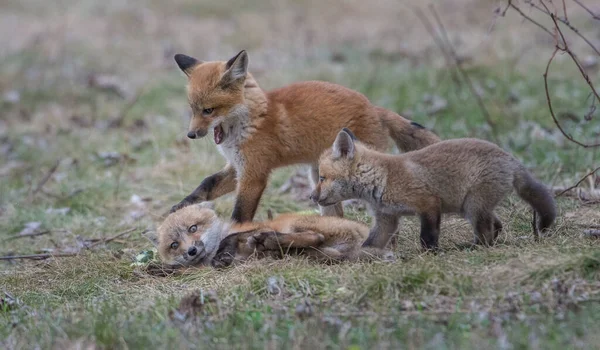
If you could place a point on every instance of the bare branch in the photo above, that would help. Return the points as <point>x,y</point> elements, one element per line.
<point>578,182</point>
<point>530,19</point>
<point>37,256</point>
<point>46,178</point>
<point>564,21</point>
<point>108,239</point>
<point>439,43</point>
<point>464,74</point>
<point>594,16</point>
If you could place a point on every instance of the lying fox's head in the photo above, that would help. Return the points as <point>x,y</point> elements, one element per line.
<point>216,94</point>
<point>336,168</point>
<point>189,236</point>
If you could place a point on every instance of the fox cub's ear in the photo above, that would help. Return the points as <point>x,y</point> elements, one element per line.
<point>151,235</point>
<point>236,69</point>
<point>186,63</point>
<point>343,147</point>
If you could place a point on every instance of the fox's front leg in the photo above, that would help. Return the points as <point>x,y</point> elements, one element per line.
<point>250,189</point>
<point>210,188</point>
<point>384,227</point>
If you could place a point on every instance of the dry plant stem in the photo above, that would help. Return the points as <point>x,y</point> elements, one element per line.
<point>594,16</point>
<point>37,256</point>
<point>592,233</point>
<point>464,74</point>
<point>439,43</point>
<point>106,240</point>
<point>529,18</point>
<point>34,234</point>
<point>46,178</point>
<point>564,21</point>
<point>565,49</point>
<point>578,182</point>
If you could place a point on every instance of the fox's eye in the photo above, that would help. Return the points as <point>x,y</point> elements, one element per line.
<point>321,178</point>
<point>193,229</point>
<point>174,245</point>
<point>207,111</point>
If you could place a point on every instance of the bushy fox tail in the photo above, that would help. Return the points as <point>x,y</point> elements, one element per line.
<point>409,136</point>
<point>538,196</point>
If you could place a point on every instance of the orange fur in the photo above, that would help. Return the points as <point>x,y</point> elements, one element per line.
<point>261,131</point>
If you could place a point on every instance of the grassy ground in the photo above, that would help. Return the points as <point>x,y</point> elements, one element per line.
<point>71,70</point>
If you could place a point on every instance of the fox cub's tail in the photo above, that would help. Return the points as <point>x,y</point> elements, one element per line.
<point>408,136</point>
<point>538,196</point>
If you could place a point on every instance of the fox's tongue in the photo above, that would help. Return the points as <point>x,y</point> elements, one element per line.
<point>218,130</point>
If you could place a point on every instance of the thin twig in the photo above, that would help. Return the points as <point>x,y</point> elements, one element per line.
<point>37,256</point>
<point>530,19</point>
<point>594,16</point>
<point>566,49</point>
<point>439,43</point>
<point>578,182</point>
<point>565,10</point>
<point>33,234</point>
<point>106,240</point>
<point>118,121</point>
<point>464,74</point>
<point>566,22</point>
<point>46,178</point>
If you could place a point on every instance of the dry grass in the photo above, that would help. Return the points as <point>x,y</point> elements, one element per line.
<point>518,293</point>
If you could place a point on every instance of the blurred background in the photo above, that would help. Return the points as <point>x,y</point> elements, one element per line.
<point>93,110</point>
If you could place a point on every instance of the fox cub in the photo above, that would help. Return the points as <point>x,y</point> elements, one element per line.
<point>466,176</point>
<point>258,131</point>
<point>196,236</point>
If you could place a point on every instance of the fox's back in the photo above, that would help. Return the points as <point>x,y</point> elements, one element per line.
<point>453,168</point>
<point>313,112</point>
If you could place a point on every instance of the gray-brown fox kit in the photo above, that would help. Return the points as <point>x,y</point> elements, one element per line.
<point>258,131</point>
<point>196,236</point>
<point>465,176</point>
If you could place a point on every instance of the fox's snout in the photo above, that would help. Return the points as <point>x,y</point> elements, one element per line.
<point>196,134</point>
<point>315,194</point>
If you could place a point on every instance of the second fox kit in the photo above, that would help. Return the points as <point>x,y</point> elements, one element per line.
<point>258,131</point>
<point>196,236</point>
<point>466,176</point>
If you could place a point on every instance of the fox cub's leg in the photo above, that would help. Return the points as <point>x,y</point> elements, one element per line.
<point>332,210</point>
<point>384,227</point>
<point>211,187</point>
<point>430,229</point>
<point>497,226</point>
<point>250,189</point>
<point>271,240</point>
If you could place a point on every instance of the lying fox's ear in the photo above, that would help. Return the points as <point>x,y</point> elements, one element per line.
<point>151,235</point>
<point>343,147</point>
<point>236,69</point>
<point>186,63</point>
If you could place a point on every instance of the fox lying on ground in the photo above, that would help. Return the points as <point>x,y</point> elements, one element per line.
<point>259,131</point>
<point>196,236</point>
<point>466,176</point>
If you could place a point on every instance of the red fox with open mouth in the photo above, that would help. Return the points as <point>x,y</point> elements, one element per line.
<point>258,131</point>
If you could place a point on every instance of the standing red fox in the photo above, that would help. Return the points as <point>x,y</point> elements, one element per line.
<point>259,131</point>
<point>466,176</point>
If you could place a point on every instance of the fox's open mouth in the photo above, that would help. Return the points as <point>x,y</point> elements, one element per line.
<point>219,134</point>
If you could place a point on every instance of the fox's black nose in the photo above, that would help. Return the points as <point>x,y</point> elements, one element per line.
<point>192,251</point>
<point>192,134</point>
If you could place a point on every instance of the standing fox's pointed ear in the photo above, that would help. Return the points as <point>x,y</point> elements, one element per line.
<point>186,63</point>
<point>152,236</point>
<point>236,69</point>
<point>343,147</point>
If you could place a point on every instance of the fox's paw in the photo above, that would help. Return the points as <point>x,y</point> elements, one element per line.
<point>266,240</point>
<point>222,261</point>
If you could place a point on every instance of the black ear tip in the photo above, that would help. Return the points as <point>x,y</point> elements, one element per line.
<point>350,133</point>
<point>184,61</point>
